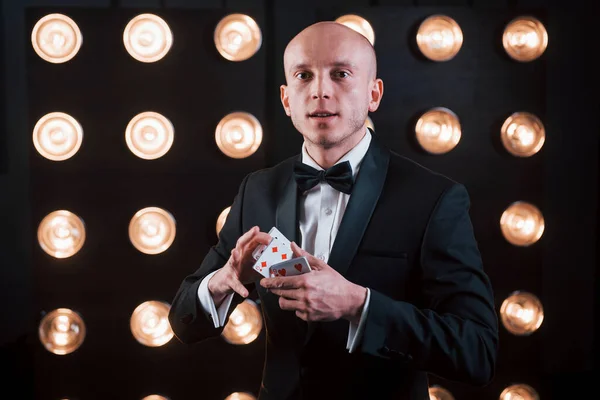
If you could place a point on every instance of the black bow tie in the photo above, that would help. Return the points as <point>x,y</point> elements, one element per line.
<point>338,177</point>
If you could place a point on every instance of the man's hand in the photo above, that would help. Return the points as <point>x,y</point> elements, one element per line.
<point>238,270</point>
<point>320,295</point>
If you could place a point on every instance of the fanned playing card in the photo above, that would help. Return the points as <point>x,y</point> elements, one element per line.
<point>292,267</point>
<point>278,250</point>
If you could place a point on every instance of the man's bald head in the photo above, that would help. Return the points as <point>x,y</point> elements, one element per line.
<point>329,33</point>
<point>331,86</point>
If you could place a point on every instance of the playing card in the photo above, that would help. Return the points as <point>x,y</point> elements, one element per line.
<point>295,266</point>
<point>278,250</point>
<point>274,232</point>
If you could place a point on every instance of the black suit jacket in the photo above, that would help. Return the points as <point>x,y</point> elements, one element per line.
<point>407,236</point>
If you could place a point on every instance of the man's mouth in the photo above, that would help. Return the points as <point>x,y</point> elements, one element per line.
<point>322,115</point>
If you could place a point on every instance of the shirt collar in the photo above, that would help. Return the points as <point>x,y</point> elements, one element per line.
<point>355,155</point>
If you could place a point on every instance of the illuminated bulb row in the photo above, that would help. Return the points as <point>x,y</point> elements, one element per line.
<point>56,38</point>
<point>62,331</point>
<point>61,233</point>
<point>438,131</point>
<point>513,392</point>
<point>522,224</point>
<point>439,37</point>
<point>149,135</point>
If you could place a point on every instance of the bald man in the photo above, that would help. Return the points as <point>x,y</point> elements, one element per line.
<point>396,289</point>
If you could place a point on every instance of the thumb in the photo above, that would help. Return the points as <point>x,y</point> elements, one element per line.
<point>314,262</point>
<point>297,250</point>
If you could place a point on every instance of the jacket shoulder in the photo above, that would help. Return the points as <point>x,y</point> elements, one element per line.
<point>411,170</point>
<point>275,174</point>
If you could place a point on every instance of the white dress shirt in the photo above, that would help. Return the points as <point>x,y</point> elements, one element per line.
<point>321,212</point>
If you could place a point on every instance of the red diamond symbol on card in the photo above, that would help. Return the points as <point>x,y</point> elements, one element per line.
<point>264,263</point>
<point>284,256</point>
<point>274,249</point>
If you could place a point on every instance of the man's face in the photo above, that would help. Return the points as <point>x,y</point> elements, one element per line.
<point>329,83</point>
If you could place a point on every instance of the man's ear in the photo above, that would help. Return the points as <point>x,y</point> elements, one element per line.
<point>375,94</point>
<point>285,101</point>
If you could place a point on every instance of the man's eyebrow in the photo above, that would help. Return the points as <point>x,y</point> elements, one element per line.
<point>336,64</point>
<point>345,64</point>
<point>299,66</point>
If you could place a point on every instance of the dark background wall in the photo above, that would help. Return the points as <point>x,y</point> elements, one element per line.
<point>103,87</point>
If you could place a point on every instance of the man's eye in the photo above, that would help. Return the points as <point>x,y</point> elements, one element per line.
<point>341,74</point>
<point>302,75</point>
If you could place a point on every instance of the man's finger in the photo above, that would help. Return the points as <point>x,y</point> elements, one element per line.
<point>239,288</point>
<point>292,294</point>
<point>289,282</point>
<point>302,315</point>
<point>298,252</point>
<point>292,305</point>
<point>249,241</point>
<point>313,261</point>
<point>235,257</point>
<point>260,238</point>
<point>247,237</point>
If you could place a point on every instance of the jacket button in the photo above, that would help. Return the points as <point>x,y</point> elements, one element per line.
<point>385,351</point>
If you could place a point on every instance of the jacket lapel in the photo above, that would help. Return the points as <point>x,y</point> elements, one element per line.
<point>365,195</point>
<point>286,220</point>
<point>286,216</point>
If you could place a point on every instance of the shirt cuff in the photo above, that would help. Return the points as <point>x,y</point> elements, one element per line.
<point>208,304</point>
<point>356,331</point>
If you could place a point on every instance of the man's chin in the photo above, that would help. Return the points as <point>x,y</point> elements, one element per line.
<point>322,139</point>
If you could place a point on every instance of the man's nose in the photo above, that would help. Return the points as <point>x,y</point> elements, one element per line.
<point>321,88</point>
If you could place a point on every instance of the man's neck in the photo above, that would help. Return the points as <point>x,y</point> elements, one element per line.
<point>327,158</point>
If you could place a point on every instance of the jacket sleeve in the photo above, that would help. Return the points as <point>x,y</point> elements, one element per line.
<point>455,336</point>
<point>188,319</point>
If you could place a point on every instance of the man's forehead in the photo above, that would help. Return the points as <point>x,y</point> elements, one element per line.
<point>331,63</point>
<point>331,44</point>
<point>323,56</point>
